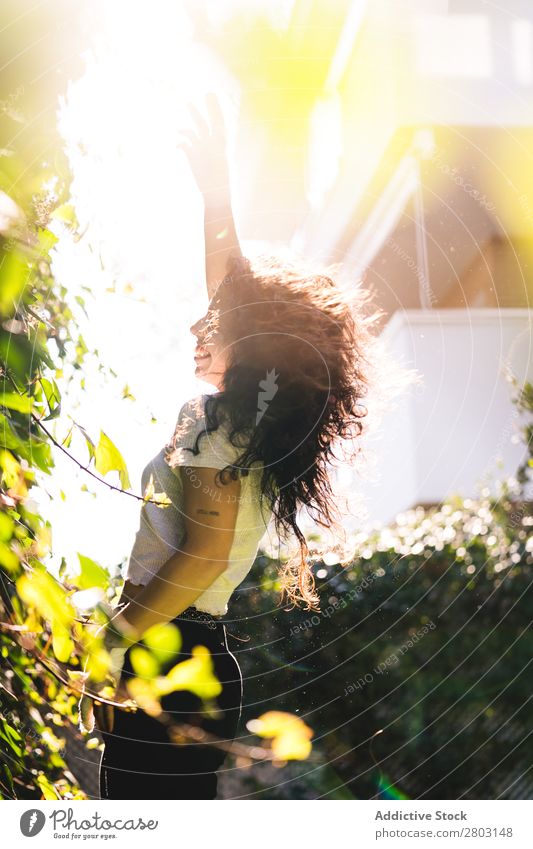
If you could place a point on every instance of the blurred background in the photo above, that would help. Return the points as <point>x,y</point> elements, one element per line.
<point>393,138</point>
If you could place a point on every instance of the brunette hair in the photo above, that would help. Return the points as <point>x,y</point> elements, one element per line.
<point>298,368</point>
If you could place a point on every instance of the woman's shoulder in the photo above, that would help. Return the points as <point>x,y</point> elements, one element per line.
<point>192,410</point>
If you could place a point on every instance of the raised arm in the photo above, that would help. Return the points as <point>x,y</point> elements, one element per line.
<point>205,147</point>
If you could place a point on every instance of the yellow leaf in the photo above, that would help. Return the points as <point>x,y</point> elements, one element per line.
<point>62,643</point>
<point>11,467</point>
<point>43,540</point>
<point>91,574</point>
<point>144,663</point>
<point>145,694</point>
<point>293,747</point>
<point>195,674</point>
<point>6,527</point>
<point>160,499</point>
<point>41,591</point>
<point>108,458</point>
<point>163,640</point>
<point>47,788</point>
<point>98,664</point>
<point>290,735</point>
<point>32,624</point>
<point>8,558</point>
<point>150,489</point>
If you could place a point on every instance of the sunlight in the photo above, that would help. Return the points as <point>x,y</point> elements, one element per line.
<point>139,263</point>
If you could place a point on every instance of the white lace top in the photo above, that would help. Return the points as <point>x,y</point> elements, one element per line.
<point>162,531</point>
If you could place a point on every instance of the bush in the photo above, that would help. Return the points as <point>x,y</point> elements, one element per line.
<point>417,672</point>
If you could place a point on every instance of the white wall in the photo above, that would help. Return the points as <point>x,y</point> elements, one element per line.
<point>450,434</point>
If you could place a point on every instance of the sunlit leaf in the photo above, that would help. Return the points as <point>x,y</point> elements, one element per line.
<point>160,499</point>
<point>43,540</point>
<point>41,591</point>
<point>143,662</point>
<point>36,452</point>
<point>195,674</point>
<point>11,737</point>
<point>65,213</point>
<point>21,403</point>
<point>97,664</point>
<point>62,643</point>
<point>163,640</point>
<point>68,438</point>
<point>13,277</point>
<point>6,527</point>
<point>46,240</point>
<point>291,737</point>
<point>48,789</point>
<point>53,397</point>
<point>10,467</point>
<point>108,458</point>
<point>145,693</point>
<point>8,558</point>
<point>91,574</point>
<point>88,440</point>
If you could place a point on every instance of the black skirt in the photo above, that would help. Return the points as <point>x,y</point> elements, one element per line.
<point>140,761</point>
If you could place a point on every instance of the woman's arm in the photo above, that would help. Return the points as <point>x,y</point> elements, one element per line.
<point>221,241</point>
<point>206,151</point>
<point>210,513</point>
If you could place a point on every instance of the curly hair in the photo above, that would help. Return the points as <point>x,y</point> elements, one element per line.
<point>297,371</point>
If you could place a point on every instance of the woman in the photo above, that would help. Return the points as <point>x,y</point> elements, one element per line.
<point>286,351</point>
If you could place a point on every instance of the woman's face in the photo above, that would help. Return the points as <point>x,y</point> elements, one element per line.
<point>210,354</point>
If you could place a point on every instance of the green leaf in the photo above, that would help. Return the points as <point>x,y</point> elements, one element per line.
<point>9,439</point>
<point>6,527</point>
<point>144,663</point>
<point>196,674</point>
<point>48,789</point>
<point>46,240</point>
<point>91,574</point>
<point>21,403</point>
<point>11,737</point>
<point>108,458</point>
<point>41,591</point>
<point>41,455</point>
<point>88,440</point>
<point>163,640</point>
<point>68,438</point>
<point>13,276</point>
<point>53,397</point>
<point>62,642</point>
<point>6,772</point>
<point>8,558</point>
<point>11,468</point>
<point>35,451</point>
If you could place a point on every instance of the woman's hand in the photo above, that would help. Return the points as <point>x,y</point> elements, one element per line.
<point>205,148</point>
<point>104,714</point>
<point>118,637</point>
